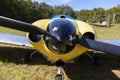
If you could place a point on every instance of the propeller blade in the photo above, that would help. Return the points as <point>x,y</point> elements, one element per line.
<point>19,25</point>
<point>100,46</point>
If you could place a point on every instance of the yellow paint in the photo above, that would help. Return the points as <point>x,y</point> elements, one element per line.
<point>81,28</point>
<point>42,48</point>
<point>42,23</point>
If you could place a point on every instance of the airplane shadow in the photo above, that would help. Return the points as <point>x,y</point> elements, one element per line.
<point>82,69</point>
<point>16,55</point>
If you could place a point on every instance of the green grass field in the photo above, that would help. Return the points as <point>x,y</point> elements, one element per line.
<point>107,33</point>
<point>12,66</point>
<point>12,31</point>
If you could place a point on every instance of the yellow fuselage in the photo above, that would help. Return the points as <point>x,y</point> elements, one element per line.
<point>81,29</point>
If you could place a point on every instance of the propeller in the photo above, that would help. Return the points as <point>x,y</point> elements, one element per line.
<point>22,26</point>
<point>97,45</point>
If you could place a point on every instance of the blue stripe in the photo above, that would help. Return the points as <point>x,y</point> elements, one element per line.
<point>58,16</point>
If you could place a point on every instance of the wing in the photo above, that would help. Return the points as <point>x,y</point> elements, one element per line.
<point>97,24</point>
<point>114,42</point>
<point>14,39</point>
<point>100,46</point>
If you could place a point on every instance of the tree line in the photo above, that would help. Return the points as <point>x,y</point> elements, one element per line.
<point>30,11</point>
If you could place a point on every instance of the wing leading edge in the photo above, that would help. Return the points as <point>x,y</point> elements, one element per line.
<point>114,42</point>
<point>14,39</point>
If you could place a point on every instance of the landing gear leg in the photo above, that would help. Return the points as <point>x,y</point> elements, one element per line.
<point>93,59</point>
<point>59,75</point>
<point>28,56</point>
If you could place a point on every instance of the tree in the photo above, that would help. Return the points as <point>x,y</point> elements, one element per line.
<point>30,11</point>
<point>64,9</point>
<point>44,10</point>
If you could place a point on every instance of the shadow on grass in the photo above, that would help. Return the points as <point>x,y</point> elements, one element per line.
<point>82,69</point>
<point>16,55</point>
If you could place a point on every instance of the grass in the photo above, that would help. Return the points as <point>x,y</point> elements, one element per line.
<point>107,33</point>
<point>12,66</point>
<point>12,31</point>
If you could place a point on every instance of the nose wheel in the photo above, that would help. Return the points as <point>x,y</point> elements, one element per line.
<point>58,77</point>
<point>59,74</point>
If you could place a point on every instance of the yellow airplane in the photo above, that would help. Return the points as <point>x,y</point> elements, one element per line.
<point>59,39</point>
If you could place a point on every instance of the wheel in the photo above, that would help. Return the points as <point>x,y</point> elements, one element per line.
<point>27,57</point>
<point>58,77</point>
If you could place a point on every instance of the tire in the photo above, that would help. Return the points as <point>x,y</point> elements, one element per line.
<point>58,77</point>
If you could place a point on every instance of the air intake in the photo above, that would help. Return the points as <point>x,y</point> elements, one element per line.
<point>62,16</point>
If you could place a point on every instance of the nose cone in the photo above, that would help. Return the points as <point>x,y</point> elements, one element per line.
<point>62,29</point>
